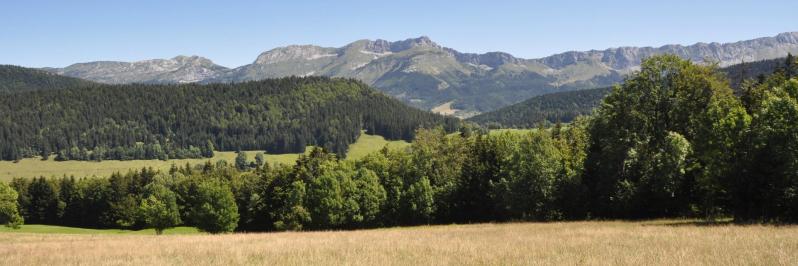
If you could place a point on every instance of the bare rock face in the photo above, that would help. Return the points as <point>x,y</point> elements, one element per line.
<point>427,75</point>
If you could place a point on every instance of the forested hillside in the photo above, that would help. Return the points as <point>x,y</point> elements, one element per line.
<point>565,106</point>
<point>21,79</point>
<point>547,108</point>
<point>187,121</point>
<point>754,70</point>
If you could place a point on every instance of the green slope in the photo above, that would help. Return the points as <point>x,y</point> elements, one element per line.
<point>20,79</point>
<point>548,108</point>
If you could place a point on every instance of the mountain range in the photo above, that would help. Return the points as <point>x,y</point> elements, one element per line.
<point>429,76</point>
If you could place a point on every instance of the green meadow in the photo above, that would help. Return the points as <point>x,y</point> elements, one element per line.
<point>54,229</point>
<point>34,167</point>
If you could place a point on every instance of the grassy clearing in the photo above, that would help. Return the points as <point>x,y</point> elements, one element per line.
<point>34,167</point>
<point>444,109</point>
<point>512,131</point>
<point>367,144</point>
<point>572,243</point>
<point>53,229</point>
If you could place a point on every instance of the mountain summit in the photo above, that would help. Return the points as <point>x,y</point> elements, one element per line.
<point>430,76</point>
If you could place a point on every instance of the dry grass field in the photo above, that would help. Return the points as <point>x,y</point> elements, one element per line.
<point>572,243</point>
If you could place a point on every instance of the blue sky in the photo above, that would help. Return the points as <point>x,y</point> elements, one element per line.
<point>232,33</point>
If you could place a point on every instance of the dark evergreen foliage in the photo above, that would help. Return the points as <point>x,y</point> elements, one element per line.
<point>547,108</point>
<point>21,79</point>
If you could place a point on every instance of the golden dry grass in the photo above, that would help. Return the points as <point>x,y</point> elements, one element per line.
<point>444,109</point>
<point>574,243</point>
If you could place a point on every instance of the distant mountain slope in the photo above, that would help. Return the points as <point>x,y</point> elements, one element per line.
<point>565,106</point>
<point>21,79</point>
<point>180,69</point>
<point>278,115</point>
<point>427,75</point>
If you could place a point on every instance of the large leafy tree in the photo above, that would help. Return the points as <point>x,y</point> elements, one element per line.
<point>439,158</point>
<point>293,215</point>
<point>215,209</point>
<point>159,208</point>
<point>767,188</point>
<point>419,202</point>
<point>527,191</point>
<point>9,207</point>
<point>392,170</point>
<point>326,198</point>
<point>637,122</point>
<point>367,197</point>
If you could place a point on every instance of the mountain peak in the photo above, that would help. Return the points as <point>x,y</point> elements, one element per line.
<point>295,52</point>
<point>422,41</point>
<point>193,60</point>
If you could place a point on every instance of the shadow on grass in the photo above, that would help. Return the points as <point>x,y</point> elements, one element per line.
<point>698,223</point>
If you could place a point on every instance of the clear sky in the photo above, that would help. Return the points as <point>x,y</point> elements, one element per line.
<point>232,33</point>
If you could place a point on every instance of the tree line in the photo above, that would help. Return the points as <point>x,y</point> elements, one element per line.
<point>442,178</point>
<point>672,141</point>
<point>140,121</point>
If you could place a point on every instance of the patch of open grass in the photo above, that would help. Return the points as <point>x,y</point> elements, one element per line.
<point>34,167</point>
<point>511,131</point>
<point>561,243</point>
<point>54,229</point>
<point>367,144</point>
